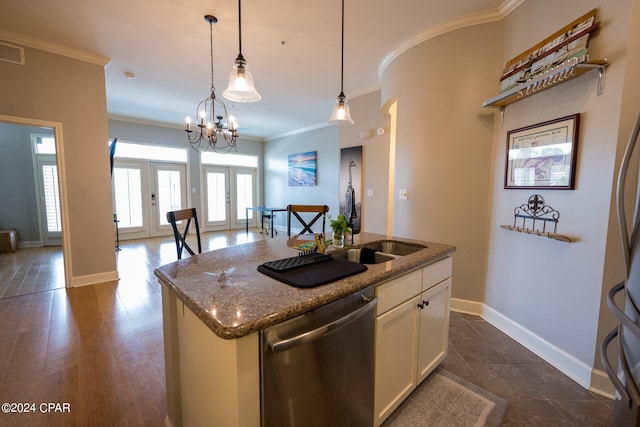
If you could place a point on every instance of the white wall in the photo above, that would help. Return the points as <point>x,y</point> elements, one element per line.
<point>277,191</point>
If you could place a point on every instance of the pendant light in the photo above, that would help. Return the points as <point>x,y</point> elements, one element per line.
<point>341,113</point>
<point>217,130</point>
<point>241,87</point>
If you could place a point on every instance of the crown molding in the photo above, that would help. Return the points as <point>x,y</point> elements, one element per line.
<point>32,42</point>
<point>459,22</point>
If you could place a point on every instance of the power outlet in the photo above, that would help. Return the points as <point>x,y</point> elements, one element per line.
<point>403,194</point>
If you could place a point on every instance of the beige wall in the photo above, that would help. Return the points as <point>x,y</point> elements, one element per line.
<point>451,158</point>
<point>553,290</point>
<point>444,143</point>
<point>72,92</point>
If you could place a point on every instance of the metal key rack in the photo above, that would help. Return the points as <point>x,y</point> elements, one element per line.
<point>535,211</point>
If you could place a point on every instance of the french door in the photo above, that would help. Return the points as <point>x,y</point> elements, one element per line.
<point>227,192</point>
<point>143,193</point>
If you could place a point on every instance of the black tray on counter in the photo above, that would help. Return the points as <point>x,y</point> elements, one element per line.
<point>310,269</point>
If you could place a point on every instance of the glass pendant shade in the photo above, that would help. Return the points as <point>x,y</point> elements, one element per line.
<point>341,113</point>
<point>241,87</point>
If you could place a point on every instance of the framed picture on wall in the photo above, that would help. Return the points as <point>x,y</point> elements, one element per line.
<point>302,169</point>
<point>543,155</point>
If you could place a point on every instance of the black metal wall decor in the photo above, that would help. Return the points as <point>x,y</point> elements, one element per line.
<point>536,211</point>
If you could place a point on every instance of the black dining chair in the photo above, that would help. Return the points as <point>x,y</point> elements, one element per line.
<point>181,215</point>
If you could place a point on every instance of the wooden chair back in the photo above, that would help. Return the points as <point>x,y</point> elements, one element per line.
<point>181,215</point>
<point>320,210</point>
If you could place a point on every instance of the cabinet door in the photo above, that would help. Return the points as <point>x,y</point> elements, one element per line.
<point>395,357</point>
<point>433,328</point>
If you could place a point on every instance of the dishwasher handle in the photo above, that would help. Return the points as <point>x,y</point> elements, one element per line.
<point>278,345</point>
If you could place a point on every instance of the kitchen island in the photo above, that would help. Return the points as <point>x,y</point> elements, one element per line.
<point>216,303</point>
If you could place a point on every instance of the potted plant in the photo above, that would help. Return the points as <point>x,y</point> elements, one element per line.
<point>340,226</point>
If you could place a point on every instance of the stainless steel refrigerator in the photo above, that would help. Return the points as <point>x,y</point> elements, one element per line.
<point>626,376</point>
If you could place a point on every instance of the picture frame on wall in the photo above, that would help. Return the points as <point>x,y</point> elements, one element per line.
<point>302,169</point>
<point>543,156</point>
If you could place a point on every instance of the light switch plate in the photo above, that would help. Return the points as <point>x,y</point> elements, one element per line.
<point>403,194</point>
<point>370,192</point>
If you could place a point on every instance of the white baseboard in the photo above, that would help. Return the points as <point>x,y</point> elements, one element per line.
<point>30,244</point>
<point>575,369</point>
<point>94,279</point>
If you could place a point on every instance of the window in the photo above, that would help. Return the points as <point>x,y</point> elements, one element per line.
<point>244,160</point>
<point>51,198</point>
<point>45,144</point>
<point>150,152</point>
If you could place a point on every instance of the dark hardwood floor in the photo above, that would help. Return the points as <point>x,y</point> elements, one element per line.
<point>97,351</point>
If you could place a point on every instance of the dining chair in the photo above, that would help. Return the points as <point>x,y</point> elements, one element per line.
<point>320,211</point>
<point>181,215</point>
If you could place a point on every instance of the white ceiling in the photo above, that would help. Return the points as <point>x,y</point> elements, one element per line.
<point>291,46</point>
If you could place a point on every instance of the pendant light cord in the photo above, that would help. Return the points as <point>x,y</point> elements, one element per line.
<point>240,28</point>
<point>342,55</point>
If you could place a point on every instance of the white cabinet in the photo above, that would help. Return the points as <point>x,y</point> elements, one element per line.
<point>412,323</point>
<point>434,328</point>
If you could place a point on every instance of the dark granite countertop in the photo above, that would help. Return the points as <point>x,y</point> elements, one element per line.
<point>225,290</point>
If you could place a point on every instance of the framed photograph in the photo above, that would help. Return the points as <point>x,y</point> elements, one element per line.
<point>302,169</point>
<point>543,155</point>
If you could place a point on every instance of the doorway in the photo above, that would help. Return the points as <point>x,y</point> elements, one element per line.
<point>143,192</point>
<point>21,202</point>
<point>227,192</point>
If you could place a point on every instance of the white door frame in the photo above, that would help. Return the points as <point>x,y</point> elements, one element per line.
<point>62,184</point>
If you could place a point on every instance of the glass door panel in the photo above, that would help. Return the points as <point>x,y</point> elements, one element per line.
<point>169,194</point>
<point>130,187</point>
<point>244,195</point>
<point>216,182</point>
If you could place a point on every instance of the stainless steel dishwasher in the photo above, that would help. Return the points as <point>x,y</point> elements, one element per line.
<point>317,368</point>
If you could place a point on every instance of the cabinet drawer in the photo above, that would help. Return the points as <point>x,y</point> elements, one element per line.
<point>398,290</point>
<point>436,273</point>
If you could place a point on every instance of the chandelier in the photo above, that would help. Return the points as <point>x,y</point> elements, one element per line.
<point>341,113</point>
<point>216,130</point>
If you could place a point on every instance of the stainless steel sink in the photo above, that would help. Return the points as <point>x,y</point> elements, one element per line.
<point>353,255</point>
<point>394,247</point>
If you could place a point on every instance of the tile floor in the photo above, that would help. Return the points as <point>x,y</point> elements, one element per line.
<point>100,349</point>
<point>538,394</point>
